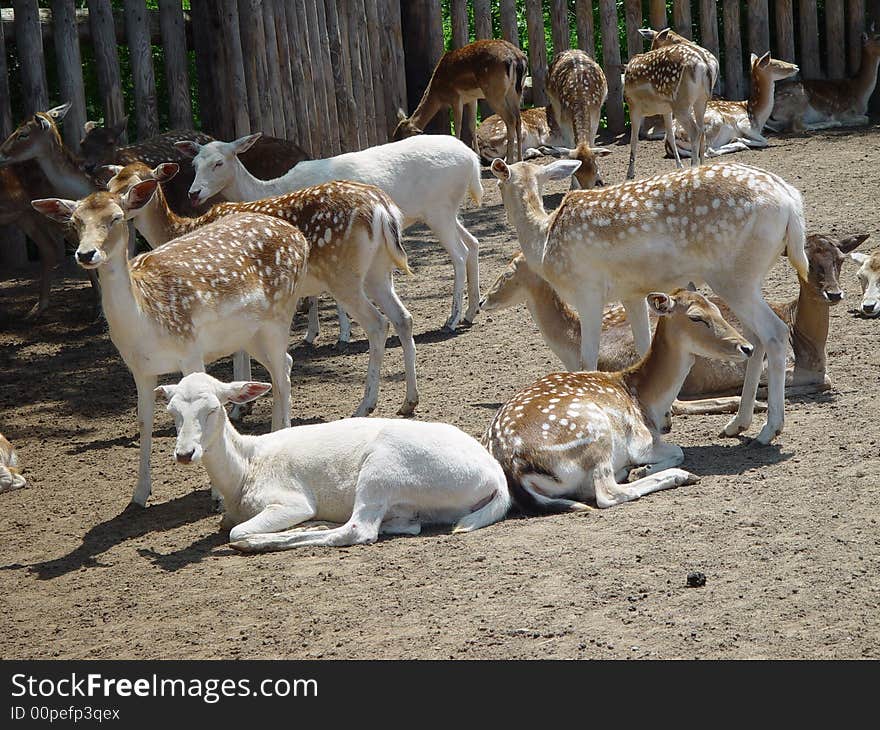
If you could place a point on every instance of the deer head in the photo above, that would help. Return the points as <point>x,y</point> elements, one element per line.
<point>869,278</point>
<point>99,144</point>
<point>826,255</point>
<point>405,128</point>
<point>773,68</point>
<point>213,163</point>
<point>33,137</point>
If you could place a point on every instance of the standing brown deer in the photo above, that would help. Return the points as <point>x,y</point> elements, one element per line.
<point>489,69</point>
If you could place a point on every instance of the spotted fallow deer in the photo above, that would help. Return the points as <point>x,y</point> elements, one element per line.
<point>10,469</point>
<point>353,232</point>
<point>570,437</point>
<point>488,69</point>
<point>722,224</point>
<point>736,126</point>
<point>807,317</point>
<point>822,103</point>
<point>228,286</point>
<point>869,278</point>
<point>674,80</point>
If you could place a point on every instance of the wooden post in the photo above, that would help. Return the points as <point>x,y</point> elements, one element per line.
<point>872,23</point>
<point>482,19</point>
<point>583,10</point>
<point>336,131</point>
<point>835,40</point>
<point>13,249</point>
<point>137,31</point>
<point>537,51</point>
<point>460,37</point>
<point>68,63</point>
<point>275,91</point>
<point>784,30</point>
<point>423,45</point>
<point>634,42</point>
<point>393,63</point>
<point>176,64</point>
<point>293,116</point>
<point>250,15</point>
<point>681,18</point>
<point>709,31</point>
<point>6,121</point>
<point>376,73</point>
<point>509,28</point>
<point>107,61</point>
<point>29,51</point>
<point>733,63</point>
<point>855,25</point>
<point>208,96</point>
<point>658,14</point>
<point>302,100</point>
<point>348,137</point>
<point>559,25</point>
<point>365,107</point>
<point>611,62</point>
<point>759,26</point>
<point>327,136</point>
<point>236,93</point>
<point>808,24</point>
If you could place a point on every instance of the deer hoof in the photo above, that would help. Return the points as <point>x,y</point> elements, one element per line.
<point>342,346</point>
<point>408,408</point>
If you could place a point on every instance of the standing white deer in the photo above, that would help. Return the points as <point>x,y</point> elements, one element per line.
<point>722,224</point>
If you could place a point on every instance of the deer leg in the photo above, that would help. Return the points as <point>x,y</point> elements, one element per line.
<point>447,233</point>
<point>314,328</point>
<point>609,493</point>
<point>670,139</point>
<point>344,329</point>
<point>241,370</point>
<point>48,261</point>
<point>275,517</point>
<point>635,117</point>
<point>588,302</point>
<point>473,271</point>
<point>639,322</point>
<point>146,384</point>
<point>376,328</point>
<point>472,124</point>
<point>663,456</point>
<point>456,117</point>
<point>269,347</point>
<point>699,116</point>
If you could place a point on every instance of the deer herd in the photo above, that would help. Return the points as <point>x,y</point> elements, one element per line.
<point>609,278</point>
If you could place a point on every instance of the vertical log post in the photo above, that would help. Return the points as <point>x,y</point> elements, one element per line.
<point>658,14</point>
<point>537,51</point>
<point>176,64</point>
<point>583,10</point>
<point>376,74</point>
<point>68,63</point>
<point>293,116</point>
<point>365,107</point>
<point>393,61</point>
<point>835,40</point>
<point>733,64</point>
<point>306,15</point>
<point>460,37</point>
<point>423,45</point>
<point>709,31</point>
<point>808,25</point>
<point>855,25</point>
<point>482,19</point>
<point>509,28</point>
<point>137,33</point>
<point>107,61</point>
<point>681,18</point>
<point>759,27</point>
<point>236,92</point>
<point>784,30</point>
<point>273,62</point>
<point>348,135</point>
<point>29,50</point>
<point>249,12</point>
<point>206,81</point>
<point>333,110</point>
<point>611,62</point>
<point>13,248</point>
<point>634,42</point>
<point>303,101</point>
<point>6,122</point>
<point>559,26</point>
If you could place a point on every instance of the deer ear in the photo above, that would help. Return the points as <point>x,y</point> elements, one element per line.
<point>139,195</point>
<point>560,169</point>
<point>859,258</point>
<point>765,59</point>
<point>500,169</point>
<point>663,34</point>
<point>57,209</point>
<point>104,174</point>
<point>661,303</point>
<point>165,391</point>
<point>850,242</point>
<point>89,126</point>
<point>401,115</point>
<point>188,148</point>
<point>600,151</point>
<point>647,33</point>
<point>59,112</point>
<point>243,144</point>
<point>165,171</point>
<point>243,391</point>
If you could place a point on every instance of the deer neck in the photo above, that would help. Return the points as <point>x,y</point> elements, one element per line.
<point>527,215</point>
<point>559,325</point>
<point>226,460</point>
<point>866,79</point>
<point>809,331</point>
<point>60,167</point>
<point>246,187</point>
<point>760,104</point>
<point>158,224</point>
<point>117,297</point>
<point>428,106</point>
<point>656,380</point>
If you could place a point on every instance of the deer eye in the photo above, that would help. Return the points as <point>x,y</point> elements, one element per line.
<point>698,319</point>
<point>218,164</point>
<point>23,135</point>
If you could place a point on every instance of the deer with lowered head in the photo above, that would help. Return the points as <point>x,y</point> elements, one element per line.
<point>823,103</point>
<point>10,469</point>
<point>570,437</point>
<point>228,286</point>
<point>353,232</point>
<point>722,224</point>
<point>486,69</point>
<point>807,317</point>
<point>375,475</point>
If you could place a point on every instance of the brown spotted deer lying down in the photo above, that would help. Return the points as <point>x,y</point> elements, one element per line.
<point>570,437</point>
<point>723,224</point>
<point>10,470</point>
<point>486,69</point>
<point>354,236</point>
<point>228,286</point>
<point>823,103</point>
<point>807,317</point>
<point>869,278</point>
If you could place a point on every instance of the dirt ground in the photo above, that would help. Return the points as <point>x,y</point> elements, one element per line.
<point>787,535</point>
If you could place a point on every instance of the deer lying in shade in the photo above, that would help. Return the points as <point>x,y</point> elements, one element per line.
<point>10,471</point>
<point>576,436</point>
<point>374,475</point>
<point>807,317</point>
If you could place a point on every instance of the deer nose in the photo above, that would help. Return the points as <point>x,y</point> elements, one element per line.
<point>834,296</point>
<point>184,457</point>
<point>86,257</point>
<point>600,183</point>
<point>870,307</point>
<point>194,197</point>
<point>747,350</point>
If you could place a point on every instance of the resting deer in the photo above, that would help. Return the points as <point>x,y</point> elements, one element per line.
<point>807,317</point>
<point>353,232</point>
<point>428,178</point>
<point>376,475</point>
<point>488,69</point>
<point>822,103</point>
<point>10,470</point>
<point>230,285</point>
<point>723,224</point>
<point>674,79</point>
<point>575,436</point>
<point>736,126</point>
<point>869,278</point>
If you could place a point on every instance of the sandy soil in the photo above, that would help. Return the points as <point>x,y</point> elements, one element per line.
<point>787,536</point>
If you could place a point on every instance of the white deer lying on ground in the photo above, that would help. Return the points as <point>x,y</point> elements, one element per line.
<point>375,475</point>
<point>427,176</point>
<point>580,434</point>
<point>10,471</point>
<point>807,317</point>
<point>229,286</point>
<point>869,278</point>
<point>722,224</point>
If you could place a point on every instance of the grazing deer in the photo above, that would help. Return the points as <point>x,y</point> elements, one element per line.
<point>353,232</point>
<point>376,475</point>
<point>807,317</point>
<point>489,69</point>
<point>822,103</point>
<point>427,177</point>
<point>577,89</point>
<point>735,126</point>
<point>723,224</point>
<point>230,285</point>
<point>10,470</point>
<point>869,278</point>
<point>674,79</point>
<point>578,435</point>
